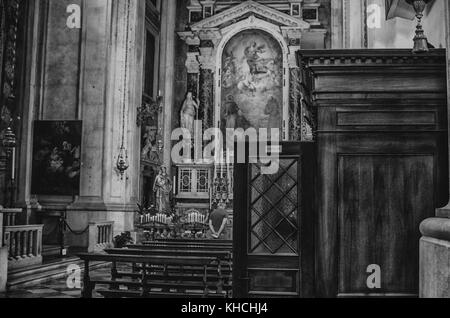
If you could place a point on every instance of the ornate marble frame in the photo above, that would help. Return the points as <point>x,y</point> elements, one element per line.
<point>252,23</point>
<point>211,36</point>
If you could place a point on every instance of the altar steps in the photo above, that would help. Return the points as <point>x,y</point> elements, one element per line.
<point>40,274</point>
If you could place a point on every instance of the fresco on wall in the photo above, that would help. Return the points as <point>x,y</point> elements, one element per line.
<point>252,82</point>
<point>56,158</point>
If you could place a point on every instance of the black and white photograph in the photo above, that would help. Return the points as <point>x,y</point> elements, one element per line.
<point>208,152</point>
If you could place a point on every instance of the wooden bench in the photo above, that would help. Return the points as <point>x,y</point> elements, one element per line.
<point>198,247</point>
<point>180,246</point>
<point>150,277</point>
<point>185,273</point>
<point>202,241</point>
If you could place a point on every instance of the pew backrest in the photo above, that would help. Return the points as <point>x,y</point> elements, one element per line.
<point>222,255</point>
<point>149,259</point>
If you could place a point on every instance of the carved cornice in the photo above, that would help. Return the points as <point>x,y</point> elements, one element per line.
<point>250,7</point>
<point>190,38</point>
<point>392,58</point>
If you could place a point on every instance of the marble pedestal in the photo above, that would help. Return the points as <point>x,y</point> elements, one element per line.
<point>435,258</point>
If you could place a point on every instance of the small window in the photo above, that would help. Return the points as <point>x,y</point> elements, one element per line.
<point>195,16</point>
<point>296,10</point>
<point>208,11</point>
<point>310,14</point>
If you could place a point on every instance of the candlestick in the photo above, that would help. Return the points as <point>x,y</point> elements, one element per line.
<point>174,185</point>
<point>13,172</point>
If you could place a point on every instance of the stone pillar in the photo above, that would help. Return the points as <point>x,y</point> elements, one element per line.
<point>337,24</point>
<point>206,93</point>
<point>206,90</point>
<point>295,122</point>
<point>167,75</point>
<point>30,99</point>
<point>110,90</point>
<point>293,37</point>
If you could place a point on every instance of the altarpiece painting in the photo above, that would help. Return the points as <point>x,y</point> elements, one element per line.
<point>252,82</point>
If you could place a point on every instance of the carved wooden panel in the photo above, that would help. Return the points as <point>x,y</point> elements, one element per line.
<point>382,164</point>
<point>382,201</point>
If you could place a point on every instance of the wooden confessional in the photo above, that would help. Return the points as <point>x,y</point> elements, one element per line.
<point>350,203</point>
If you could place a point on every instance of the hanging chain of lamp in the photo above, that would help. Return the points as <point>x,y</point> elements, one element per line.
<point>122,159</point>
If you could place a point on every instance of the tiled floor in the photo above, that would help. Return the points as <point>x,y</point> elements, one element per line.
<point>56,288</point>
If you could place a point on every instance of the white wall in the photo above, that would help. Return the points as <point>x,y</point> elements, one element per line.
<point>393,33</point>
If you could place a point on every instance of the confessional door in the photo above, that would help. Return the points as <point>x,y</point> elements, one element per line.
<point>274,226</point>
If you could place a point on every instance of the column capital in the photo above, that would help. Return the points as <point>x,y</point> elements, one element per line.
<point>292,56</point>
<point>192,63</point>
<point>190,38</point>
<point>206,58</point>
<point>213,35</point>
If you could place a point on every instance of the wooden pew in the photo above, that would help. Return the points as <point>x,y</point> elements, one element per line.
<point>180,245</point>
<point>146,283</point>
<point>139,250</point>
<point>197,245</point>
<point>187,272</point>
<point>203,241</point>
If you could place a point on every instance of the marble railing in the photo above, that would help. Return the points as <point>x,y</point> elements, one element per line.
<point>24,245</point>
<point>10,216</point>
<point>100,236</point>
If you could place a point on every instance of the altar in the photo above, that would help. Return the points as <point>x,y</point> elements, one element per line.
<point>240,72</point>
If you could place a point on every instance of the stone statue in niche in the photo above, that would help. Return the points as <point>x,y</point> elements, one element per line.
<point>189,113</point>
<point>162,188</point>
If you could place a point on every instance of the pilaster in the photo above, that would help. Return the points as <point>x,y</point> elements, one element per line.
<point>167,75</point>
<point>111,68</point>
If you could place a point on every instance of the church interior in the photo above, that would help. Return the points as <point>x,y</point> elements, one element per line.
<point>101,197</point>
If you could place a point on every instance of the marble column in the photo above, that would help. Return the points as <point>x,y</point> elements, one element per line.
<point>206,94</point>
<point>295,106</point>
<point>206,82</point>
<point>30,99</point>
<point>110,90</point>
<point>337,24</point>
<point>167,75</point>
